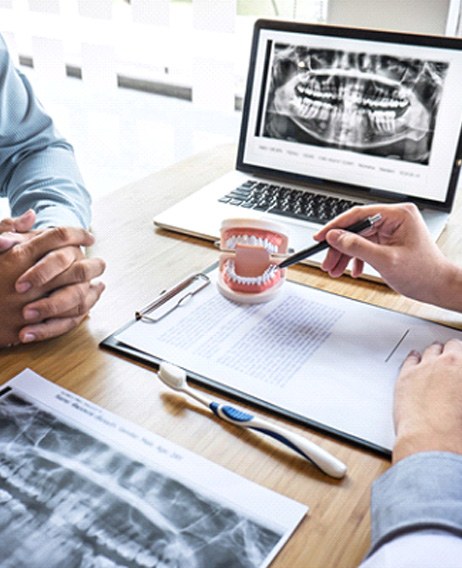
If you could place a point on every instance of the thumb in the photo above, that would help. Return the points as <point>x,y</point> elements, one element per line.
<point>354,246</point>
<point>24,222</point>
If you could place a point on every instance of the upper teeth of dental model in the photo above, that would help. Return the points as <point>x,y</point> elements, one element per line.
<point>251,240</point>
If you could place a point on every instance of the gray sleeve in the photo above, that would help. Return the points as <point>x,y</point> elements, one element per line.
<point>420,493</point>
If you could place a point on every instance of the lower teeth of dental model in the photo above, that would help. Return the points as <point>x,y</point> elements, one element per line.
<point>268,275</point>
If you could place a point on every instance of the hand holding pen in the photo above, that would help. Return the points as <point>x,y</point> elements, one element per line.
<point>323,245</point>
<point>399,247</point>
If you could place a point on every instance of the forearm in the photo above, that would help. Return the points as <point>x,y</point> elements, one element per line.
<point>50,183</point>
<point>37,166</point>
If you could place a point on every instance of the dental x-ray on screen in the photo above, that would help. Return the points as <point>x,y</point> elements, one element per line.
<point>335,117</point>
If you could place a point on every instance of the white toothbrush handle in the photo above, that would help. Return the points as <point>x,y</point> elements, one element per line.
<point>321,458</point>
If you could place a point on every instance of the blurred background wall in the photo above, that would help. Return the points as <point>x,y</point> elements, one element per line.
<point>136,85</point>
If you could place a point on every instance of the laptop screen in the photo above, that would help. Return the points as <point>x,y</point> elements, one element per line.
<point>360,111</point>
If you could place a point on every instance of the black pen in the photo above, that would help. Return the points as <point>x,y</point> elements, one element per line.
<point>305,253</point>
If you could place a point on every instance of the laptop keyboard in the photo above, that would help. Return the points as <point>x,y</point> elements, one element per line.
<point>287,201</point>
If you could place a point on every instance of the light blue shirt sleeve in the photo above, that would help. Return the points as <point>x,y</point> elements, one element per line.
<point>416,513</point>
<point>38,169</point>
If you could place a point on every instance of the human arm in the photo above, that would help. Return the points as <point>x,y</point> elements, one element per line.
<point>417,515</point>
<point>400,248</point>
<point>417,505</point>
<point>37,166</point>
<point>39,175</point>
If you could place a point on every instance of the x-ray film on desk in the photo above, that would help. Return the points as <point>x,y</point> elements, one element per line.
<point>334,117</point>
<point>81,487</point>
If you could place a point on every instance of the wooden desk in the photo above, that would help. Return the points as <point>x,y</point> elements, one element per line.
<point>141,262</point>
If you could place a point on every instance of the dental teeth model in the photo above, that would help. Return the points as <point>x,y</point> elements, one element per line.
<point>248,268</point>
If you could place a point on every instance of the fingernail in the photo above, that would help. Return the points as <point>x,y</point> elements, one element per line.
<point>23,287</point>
<point>31,314</point>
<point>28,337</point>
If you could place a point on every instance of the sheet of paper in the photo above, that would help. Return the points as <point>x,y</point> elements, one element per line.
<point>320,356</point>
<point>81,487</point>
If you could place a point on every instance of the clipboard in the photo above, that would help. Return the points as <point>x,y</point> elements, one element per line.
<point>167,301</point>
<point>188,291</point>
<point>171,299</point>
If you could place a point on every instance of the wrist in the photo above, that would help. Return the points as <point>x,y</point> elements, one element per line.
<point>448,287</point>
<point>418,442</point>
<point>406,446</point>
<point>442,287</point>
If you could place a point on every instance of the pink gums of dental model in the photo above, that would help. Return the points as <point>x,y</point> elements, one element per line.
<point>248,271</point>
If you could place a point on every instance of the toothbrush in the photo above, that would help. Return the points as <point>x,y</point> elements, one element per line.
<point>175,378</point>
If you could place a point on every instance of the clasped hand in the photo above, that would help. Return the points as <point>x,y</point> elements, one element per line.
<point>46,285</point>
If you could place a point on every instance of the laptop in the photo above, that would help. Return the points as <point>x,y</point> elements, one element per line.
<point>334,117</point>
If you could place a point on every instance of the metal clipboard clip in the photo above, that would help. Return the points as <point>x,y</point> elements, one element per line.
<point>173,298</point>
